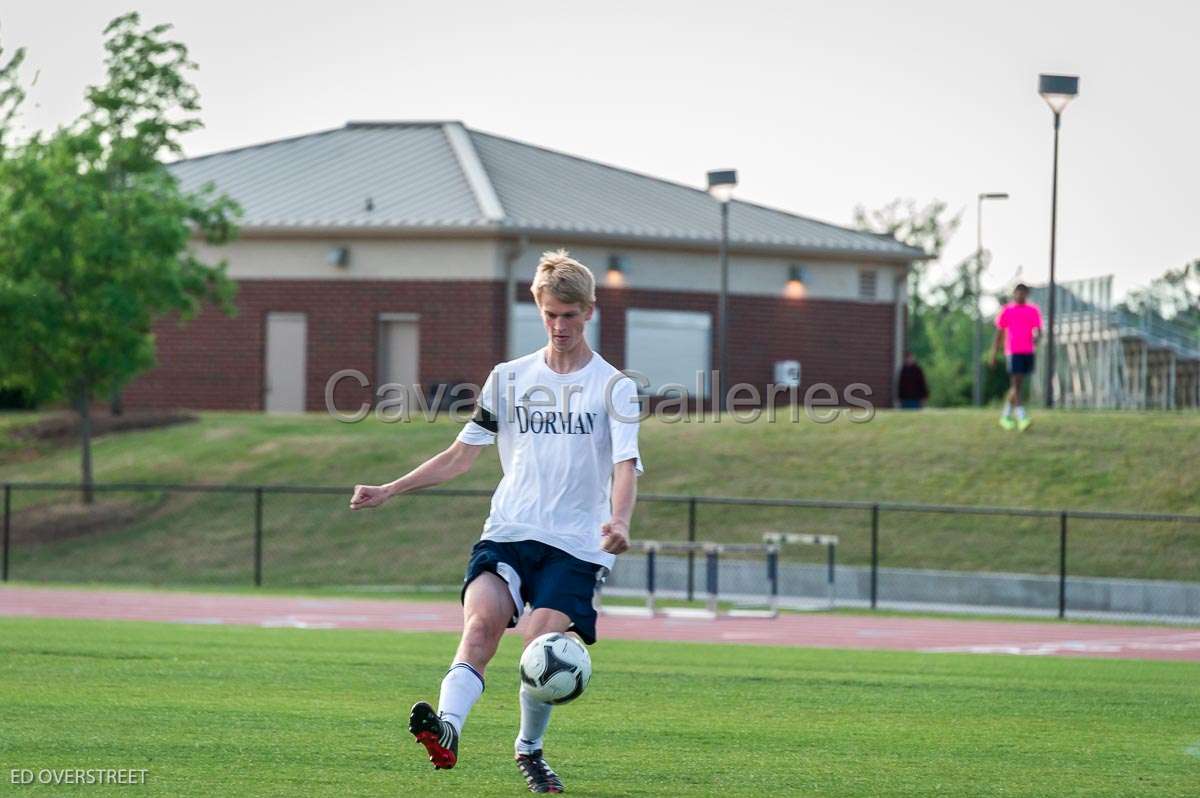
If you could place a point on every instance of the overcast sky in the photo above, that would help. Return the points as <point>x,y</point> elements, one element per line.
<point>820,106</point>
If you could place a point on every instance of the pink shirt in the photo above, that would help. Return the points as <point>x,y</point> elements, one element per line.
<point>1019,322</point>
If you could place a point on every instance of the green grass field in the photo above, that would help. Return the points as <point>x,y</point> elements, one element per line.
<point>265,712</point>
<point>1107,461</point>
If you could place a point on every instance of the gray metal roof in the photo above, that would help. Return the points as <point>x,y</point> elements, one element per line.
<point>409,173</point>
<point>445,176</point>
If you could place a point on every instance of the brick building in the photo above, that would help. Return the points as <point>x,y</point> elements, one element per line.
<point>404,251</point>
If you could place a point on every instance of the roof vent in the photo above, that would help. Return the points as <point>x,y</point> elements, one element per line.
<point>866,284</point>
<point>370,206</point>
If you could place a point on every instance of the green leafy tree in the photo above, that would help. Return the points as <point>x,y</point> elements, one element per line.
<point>95,232</point>
<point>927,227</point>
<point>941,321</point>
<point>1173,297</point>
<point>11,92</point>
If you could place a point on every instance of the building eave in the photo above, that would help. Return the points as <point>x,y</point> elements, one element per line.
<point>499,230</point>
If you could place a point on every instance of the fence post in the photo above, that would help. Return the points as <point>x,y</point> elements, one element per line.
<point>874,555</point>
<point>691,566</point>
<point>650,580</point>
<point>258,535</point>
<point>1062,564</point>
<point>7,524</point>
<point>773,578</point>
<point>710,558</point>
<point>829,576</point>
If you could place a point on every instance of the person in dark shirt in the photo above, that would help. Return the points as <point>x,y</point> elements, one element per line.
<point>912,390</point>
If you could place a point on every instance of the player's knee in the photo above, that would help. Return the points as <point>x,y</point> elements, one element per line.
<point>483,632</point>
<point>536,630</point>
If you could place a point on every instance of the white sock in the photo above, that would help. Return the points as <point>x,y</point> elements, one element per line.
<point>1021,411</point>
<point>461,688</point>
<point>1007,409</point>
<point>535,717</point>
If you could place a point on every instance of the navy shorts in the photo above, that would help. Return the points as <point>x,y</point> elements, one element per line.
<point>541,576</point>
<point>1020,364</point>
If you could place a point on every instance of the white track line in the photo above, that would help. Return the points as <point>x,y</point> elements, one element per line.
<point>1175,642</point>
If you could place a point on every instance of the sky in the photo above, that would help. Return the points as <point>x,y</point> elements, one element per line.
<point>820,106</point>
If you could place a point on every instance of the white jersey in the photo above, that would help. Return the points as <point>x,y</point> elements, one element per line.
<point>559,436</point>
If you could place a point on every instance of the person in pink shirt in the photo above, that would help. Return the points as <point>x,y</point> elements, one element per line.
<point>1019,325</point>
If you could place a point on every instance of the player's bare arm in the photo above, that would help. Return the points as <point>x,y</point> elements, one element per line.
<point>997,342</point>
<point>615,532</point>
<point>454,461</point>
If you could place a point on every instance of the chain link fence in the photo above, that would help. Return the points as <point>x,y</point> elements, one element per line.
<point>890,555</point>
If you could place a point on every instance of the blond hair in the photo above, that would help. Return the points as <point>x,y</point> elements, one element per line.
<point>564,277</point>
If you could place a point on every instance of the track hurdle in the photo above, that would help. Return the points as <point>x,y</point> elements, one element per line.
<point>830,542</point>
<point>771,548</point>
<point>712,553</point>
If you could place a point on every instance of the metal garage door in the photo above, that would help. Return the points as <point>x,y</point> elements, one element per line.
<point>669,346</point>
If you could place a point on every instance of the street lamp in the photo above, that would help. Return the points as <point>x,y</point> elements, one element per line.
<point>1057,91</point>
<point>721,183</point>
<point>977,342</point>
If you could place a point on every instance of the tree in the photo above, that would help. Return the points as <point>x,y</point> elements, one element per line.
<point>927,228</point>
<point>1173,297</point>
<point>11,92</point>
<point>94,230</point>
<point>941,320</point>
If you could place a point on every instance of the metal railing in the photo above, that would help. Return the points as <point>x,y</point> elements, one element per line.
<point>1186,543</point>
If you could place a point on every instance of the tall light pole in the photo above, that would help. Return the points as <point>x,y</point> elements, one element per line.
<point>977,341</point>
<point>1057,91</point>
<point>721,183</point>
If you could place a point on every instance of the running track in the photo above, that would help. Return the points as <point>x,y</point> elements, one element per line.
<point>817,630</point>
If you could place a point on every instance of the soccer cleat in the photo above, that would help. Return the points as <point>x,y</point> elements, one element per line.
<point>1007,422</point>
<point>538,774</point>
<point>439,737</point>
<point>1023,423</point>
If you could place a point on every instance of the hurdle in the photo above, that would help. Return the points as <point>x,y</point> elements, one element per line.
<point>830,542</point>
<point>712,553</point>
<point>772,547</point>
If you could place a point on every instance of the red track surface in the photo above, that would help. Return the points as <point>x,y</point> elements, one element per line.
<point>816,630</point>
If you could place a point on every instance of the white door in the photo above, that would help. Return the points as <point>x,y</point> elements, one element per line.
<point>287,335</point>
<point>399,353</point>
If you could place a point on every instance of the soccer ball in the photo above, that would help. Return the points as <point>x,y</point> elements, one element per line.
<point>555,668</point>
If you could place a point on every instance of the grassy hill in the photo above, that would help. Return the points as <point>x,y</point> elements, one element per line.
<point>1104,461</point>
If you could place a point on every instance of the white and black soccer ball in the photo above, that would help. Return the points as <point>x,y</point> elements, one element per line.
<point>555,668</point>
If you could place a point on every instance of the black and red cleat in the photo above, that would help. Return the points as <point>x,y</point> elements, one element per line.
<point>538,774</point>
<point>439,737</point>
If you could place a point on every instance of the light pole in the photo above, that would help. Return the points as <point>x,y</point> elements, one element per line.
<point>977,341</point>
<point>1057,91</point>
<point>721,183</point>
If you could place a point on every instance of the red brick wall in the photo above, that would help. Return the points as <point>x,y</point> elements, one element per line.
<point>837,342</point>
<point>215,362</point>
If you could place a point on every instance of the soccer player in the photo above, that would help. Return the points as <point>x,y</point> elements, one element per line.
<point>566,423</point>
<point>1020,325</point>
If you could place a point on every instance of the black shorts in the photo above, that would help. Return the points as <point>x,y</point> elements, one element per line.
<point>1020,364</point>
<point>541,576</point>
